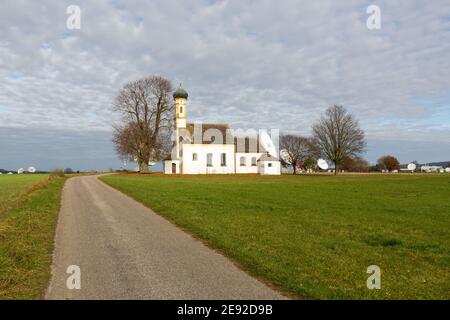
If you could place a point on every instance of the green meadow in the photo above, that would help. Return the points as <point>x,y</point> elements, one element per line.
<point>313,236</point>
<point>12,187</point>
<point>29,206</point>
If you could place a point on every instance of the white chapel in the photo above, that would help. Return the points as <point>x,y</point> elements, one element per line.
<point>211,148</point>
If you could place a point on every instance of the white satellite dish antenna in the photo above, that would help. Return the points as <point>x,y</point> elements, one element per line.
<point>284,155</point>
<point>267,143</point>
<point>20,171</point>
<point>322,164</point>
<point>447,170</point>
<point>412,166</point>
<point>31,169</point>
<point>151,163</point>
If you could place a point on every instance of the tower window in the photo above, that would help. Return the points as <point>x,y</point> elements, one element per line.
<point>194,157</point>
<point>181,109</point>
<point>242,160</point>
<point>223,159</point>
<point>209,160</point>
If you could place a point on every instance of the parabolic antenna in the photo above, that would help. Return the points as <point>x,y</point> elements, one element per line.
<point>31,169</point>
<point>267,143</point>
<point>412,166</point>
<point>20,171</point>
<point>284,155</point>
<point>447,170</point>
<point>151,163</point>
<point>322,164</point>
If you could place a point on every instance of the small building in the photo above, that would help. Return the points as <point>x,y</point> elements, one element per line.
<point>268,164</point>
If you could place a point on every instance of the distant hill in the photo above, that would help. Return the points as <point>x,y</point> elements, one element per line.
<point>442,164</point>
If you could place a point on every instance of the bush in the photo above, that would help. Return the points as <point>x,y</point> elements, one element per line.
<point>55,173</point>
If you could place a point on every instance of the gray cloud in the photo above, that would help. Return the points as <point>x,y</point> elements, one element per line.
<point>249,63</point>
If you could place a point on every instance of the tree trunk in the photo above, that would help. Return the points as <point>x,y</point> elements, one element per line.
<point>336,168</point>
<point>294,166</point>
<point>143,167</point>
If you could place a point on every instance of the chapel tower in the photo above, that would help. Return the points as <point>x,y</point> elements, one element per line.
<point>180,96</point>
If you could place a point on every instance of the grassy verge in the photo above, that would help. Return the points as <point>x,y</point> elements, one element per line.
<point>26,241</point>
<point>315,236</point>
<point>14,188</point>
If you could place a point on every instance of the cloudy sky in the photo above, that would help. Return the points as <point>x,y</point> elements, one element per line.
<point>254,64</point>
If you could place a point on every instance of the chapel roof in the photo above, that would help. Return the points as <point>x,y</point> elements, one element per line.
<point>267,157</point>
<point>210,132</point>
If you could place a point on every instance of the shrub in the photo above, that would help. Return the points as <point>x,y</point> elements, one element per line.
<point>56,173</point>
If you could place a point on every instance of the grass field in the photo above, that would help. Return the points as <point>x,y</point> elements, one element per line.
<point>314,236</point>
<point>13,187</point>
<point>29,207</point>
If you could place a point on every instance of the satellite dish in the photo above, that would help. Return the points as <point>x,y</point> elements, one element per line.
<point>31,169</point>
<point>267,143</point>
<point>20,171</point>
<point>447,170</point>
<point>412,166</point>
<point>322,164</point>
<point>151,163</point>
<point>284,155</point>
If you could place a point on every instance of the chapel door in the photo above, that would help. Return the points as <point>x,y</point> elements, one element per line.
<point>174,168</point>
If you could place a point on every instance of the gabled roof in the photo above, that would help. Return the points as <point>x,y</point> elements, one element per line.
<point>209,132</point>
<point>267,157</point>
<point>251,144</point>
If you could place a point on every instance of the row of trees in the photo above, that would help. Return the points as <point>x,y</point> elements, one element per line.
<point>304,151</point>
<point>336,137</point>
<point>148,113</point>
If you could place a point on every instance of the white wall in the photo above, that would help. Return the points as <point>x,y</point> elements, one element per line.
<point>198,166</point>
<point>248,168</point>
<point>168,166</point>
<point>265,168</point>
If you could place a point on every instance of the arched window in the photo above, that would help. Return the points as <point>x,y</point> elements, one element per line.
<point>181,109</point>
<point>223,159</point>
<point>209,160</point>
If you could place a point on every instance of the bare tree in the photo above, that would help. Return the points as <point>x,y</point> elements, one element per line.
<point>299,149</point>
<point>147,111</point>
<point>389,163</point>
<point>354,164</point>
<point>338,135</point>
